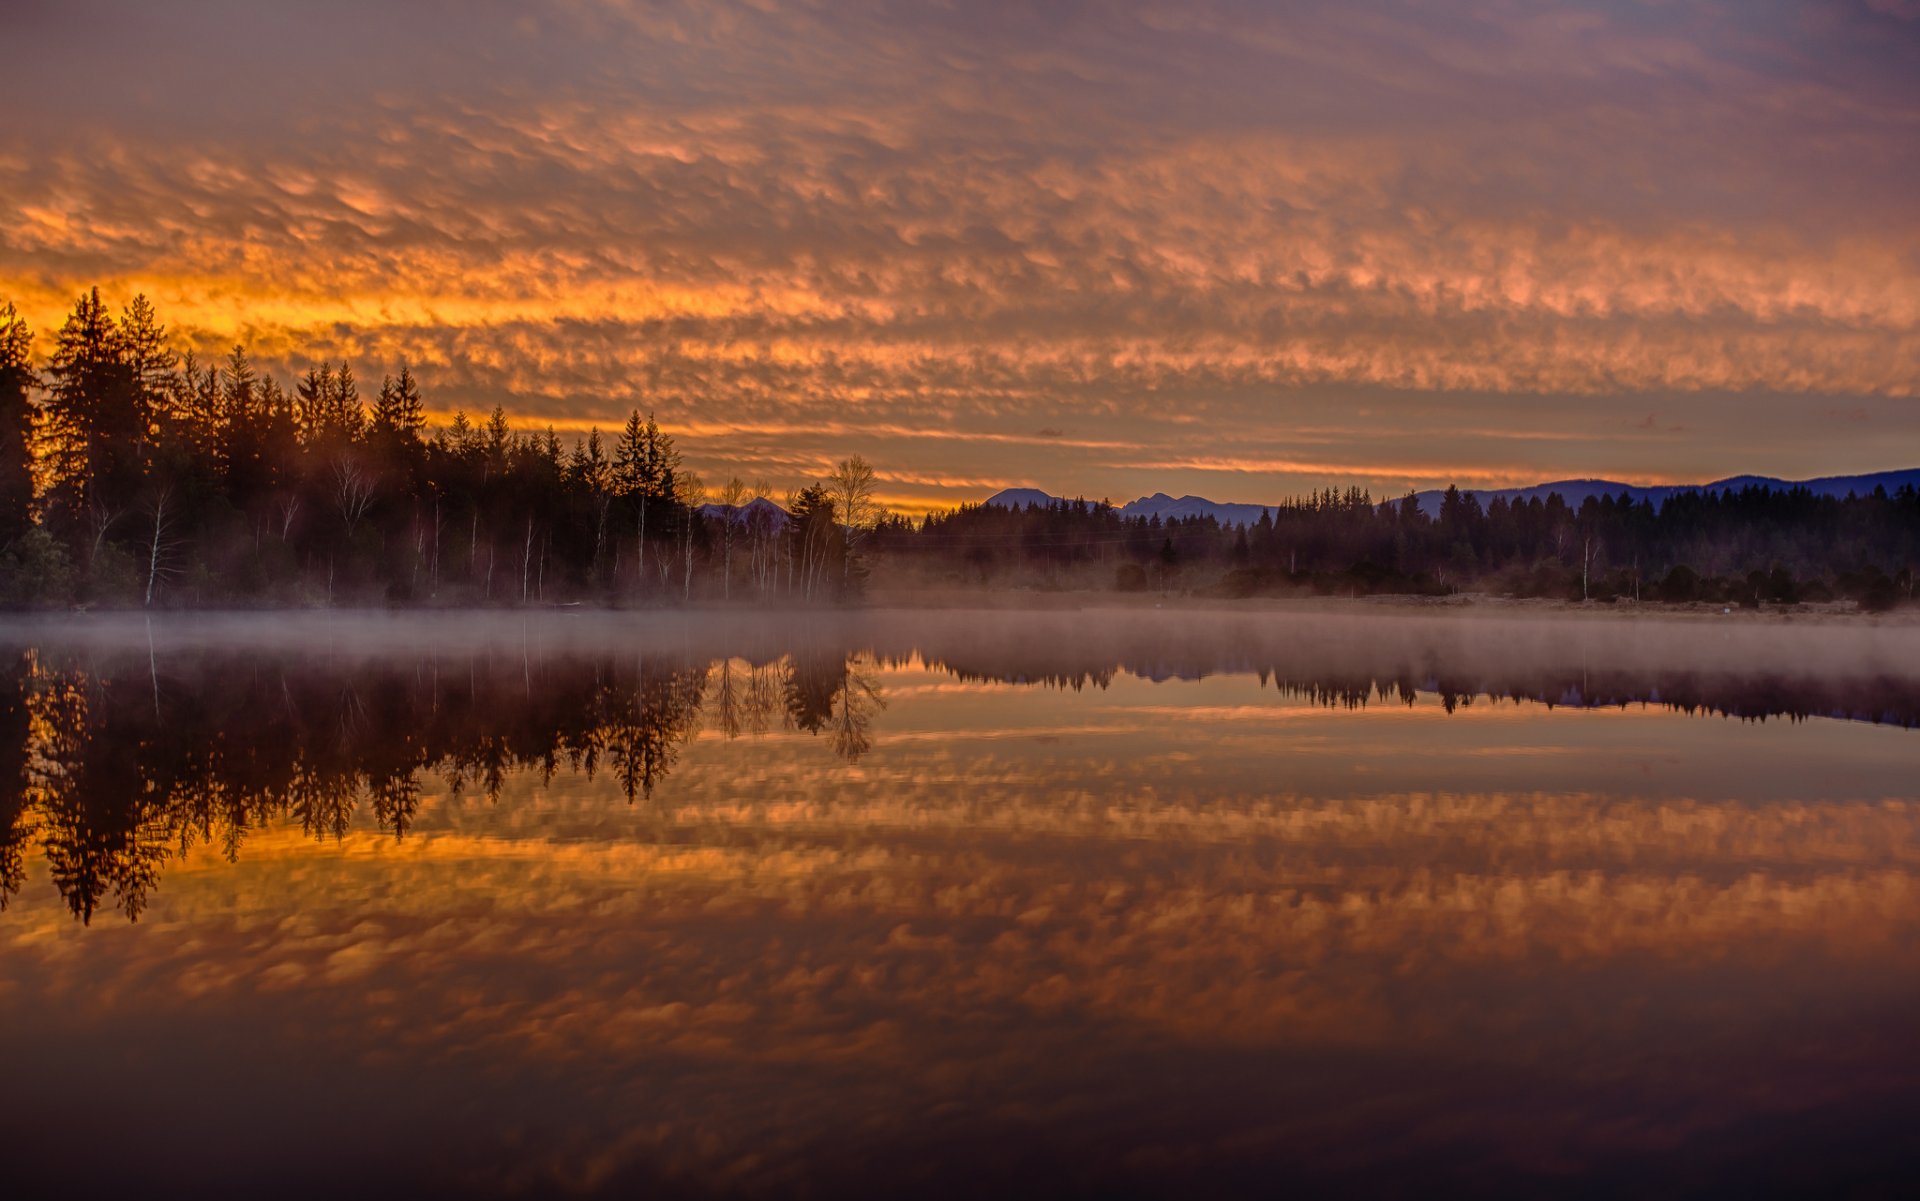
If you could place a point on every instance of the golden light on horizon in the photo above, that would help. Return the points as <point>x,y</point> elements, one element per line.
<point>1157,232</point>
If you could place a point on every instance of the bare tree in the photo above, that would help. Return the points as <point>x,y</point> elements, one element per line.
<point>526,562</point>
<point>160,546</point>
<point>729,715</point>
<point>691,493</point>
<point>352,492</point>
<point>732,496</point>
<point>858,701</point>
<point>1589,554</point>
<point>851,489</point>
<point>99,520</point>
<point>761,532</point>
<point>791,505</point>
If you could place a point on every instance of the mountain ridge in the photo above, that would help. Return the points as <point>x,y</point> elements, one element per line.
<point>1574,491</point>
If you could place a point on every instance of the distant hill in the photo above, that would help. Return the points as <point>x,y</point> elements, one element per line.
<point>1574,492</point>
<point>1165,507</point>
<point>1020,498</point>
<point>775,516</point>
<point>1158,505</point>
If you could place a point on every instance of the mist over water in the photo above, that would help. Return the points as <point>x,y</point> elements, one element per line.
<point>1037,644</point>
<point>1129,901</point>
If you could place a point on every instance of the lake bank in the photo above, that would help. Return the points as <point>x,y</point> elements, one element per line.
<point>1461,603</point>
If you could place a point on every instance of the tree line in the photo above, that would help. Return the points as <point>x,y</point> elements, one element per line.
<point>132,474</point>
<point>1746,546</point>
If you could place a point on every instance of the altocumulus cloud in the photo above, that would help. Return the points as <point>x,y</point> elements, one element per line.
<point>1382,245</point>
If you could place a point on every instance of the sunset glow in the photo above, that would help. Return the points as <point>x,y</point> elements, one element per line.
<point>1056,246</point>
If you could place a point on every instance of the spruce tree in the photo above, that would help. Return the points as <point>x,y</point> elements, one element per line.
<point>313,405</point>
<point>95,429</point>
<point>242,430</point>
<point>349,421</point>
<point>150,362</point>
<point>17,380</point>
<point>644,465</point>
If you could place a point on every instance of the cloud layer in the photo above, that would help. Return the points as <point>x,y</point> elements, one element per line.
<point>1215,246</point>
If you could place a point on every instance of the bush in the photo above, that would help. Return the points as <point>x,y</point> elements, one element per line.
<point>1681,586</point>
<point>35,573</point>
<point>1879,596</point>
<point>1871,588</point>
<point>1239,583</point>
<point>114,578</point>
<point>1130,577</point>
<point>1781,587</point>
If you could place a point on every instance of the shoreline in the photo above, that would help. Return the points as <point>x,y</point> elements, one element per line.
<point>1464,606</point>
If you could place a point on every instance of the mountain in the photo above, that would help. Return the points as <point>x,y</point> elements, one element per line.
<point>1158,505</point>
<point>1020,498</point>
<point>759,507</point>
<point>1574,492</point>
<point>1165,508</point>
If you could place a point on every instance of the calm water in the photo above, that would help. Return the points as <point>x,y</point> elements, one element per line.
<point>1113,904</point>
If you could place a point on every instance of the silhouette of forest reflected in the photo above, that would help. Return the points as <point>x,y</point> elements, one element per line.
<point>115,761</point>
<point>115,764</point>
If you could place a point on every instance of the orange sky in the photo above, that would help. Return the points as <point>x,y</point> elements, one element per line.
<point>1193,247</point>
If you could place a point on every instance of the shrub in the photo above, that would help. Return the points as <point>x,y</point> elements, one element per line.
<point>35,573</point>
<point>1681,586</point>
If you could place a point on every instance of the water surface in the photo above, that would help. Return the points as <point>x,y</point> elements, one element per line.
<point>1108,903</point>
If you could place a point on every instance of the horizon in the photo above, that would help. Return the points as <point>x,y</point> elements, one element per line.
<point>1152,247</point>
<point>1162,494</point>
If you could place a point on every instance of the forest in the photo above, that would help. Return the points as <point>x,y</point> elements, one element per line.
<point>136,475</point>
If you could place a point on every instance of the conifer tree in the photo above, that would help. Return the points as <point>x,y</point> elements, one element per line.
<point>313,404</point>
<point>149,360</point>
<point>242,429</point>
<point>17,380</point>
<point>95,431</point>
<point>644,466</point>
<point>349,420</point>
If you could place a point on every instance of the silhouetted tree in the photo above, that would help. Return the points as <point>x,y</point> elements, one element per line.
<point>17,380</point>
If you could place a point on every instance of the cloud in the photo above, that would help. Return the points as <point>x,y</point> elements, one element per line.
<point>787,215</point>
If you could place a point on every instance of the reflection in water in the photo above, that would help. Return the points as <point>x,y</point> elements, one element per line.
<point>1015,904</point>
<point>112,762</point>
<point>113,759</point>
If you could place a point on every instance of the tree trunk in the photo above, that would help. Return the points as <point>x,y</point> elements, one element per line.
<point>153,550</point>
<point>526,562</point>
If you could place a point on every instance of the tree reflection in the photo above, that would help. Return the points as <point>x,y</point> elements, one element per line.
<point>114,764</point>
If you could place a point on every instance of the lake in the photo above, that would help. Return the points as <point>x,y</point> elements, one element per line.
<point>883,903</point>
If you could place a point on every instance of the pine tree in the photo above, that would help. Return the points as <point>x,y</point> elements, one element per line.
<point>201,407</point>
<point>499,441</point>
<point>394,427</point>
<point>280,434</point>
<point>242,430</point>
<point>17,380</point>
<point>95,429</point>
<point>349,420</point>
<point>313,405</point>
<point>144,341</point>
<point>644,466</point>
<point>410,413</point>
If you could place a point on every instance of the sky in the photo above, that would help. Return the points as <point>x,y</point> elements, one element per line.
<point>1236,249</point>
